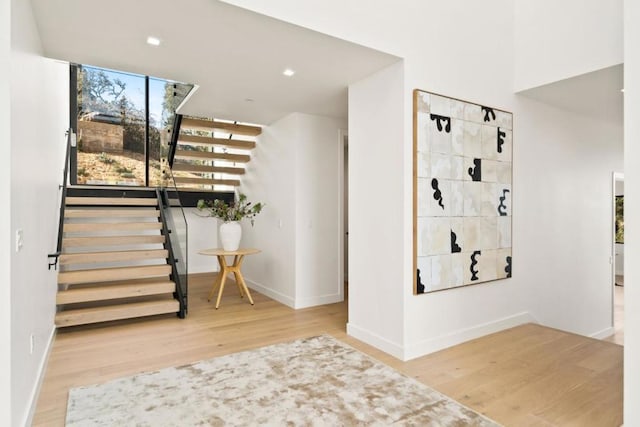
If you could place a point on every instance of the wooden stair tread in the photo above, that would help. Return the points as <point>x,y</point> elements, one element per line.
<point>190,167</point>
<point>105,201</point>
<point>109,213</point>
<point>188,154</point>
<point>202,124</point>
<point>115,312</point>
<point>110,226</point>
<point>110,256</point>
<point>206,181</point>
<point>129,290</point>
<point>216,142</point>
<point>114,273</point>
<point>96,284</point>
<point>68,242</point>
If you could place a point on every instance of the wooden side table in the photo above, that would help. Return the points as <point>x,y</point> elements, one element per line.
<point>234,268</point>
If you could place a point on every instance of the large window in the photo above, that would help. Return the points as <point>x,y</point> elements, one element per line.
<point>122,124</point>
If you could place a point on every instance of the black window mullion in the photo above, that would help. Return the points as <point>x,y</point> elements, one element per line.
<point>146,131</point>
<point>73,121</point>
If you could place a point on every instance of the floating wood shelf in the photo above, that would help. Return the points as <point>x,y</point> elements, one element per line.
<point>216,142</point>
<point>202,124</point>
<point>207,181</point>
<point>188,154</point>
<point>189,167</point>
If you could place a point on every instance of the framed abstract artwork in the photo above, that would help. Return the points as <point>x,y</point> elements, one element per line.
<point>462,171</point>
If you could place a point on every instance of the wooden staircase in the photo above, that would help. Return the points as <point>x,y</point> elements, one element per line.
<point>211,155</point>
<point>114,261</point>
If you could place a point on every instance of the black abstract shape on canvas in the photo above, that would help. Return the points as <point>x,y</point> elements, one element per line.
<point>475,172</point>
<point>420,286</point>
<point>507,269</point>
<point>501,135</point>
<point>472,267</point>
<point>489,114</point>
<point>455,248</point>
<point>502,209</point>
<point>437,194</point>
<point>439,122</point>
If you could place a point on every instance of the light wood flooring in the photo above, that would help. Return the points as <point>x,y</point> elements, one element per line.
<point>525,376</point>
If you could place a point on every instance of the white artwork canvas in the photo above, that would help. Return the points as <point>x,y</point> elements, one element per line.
<point>463,201</point>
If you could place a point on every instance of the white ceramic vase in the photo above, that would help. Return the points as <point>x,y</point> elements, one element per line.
<point>230,235</point>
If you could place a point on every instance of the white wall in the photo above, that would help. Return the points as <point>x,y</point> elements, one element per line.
<point>632,212</point>
<point>555,40</point>
<point>377,241</point>
<point>318,197</point>
<point>295,170</point>
<point>39,118</point>
<point>619,259</point>
<point>563,216</point>
<point>5,222</point>
<point>271,179</point>
<point>473,59</point>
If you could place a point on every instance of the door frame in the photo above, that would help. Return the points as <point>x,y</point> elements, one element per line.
<point>343,134</point>
<point>615,177</point>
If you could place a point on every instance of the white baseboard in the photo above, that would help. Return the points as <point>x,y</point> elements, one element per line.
<point>284,299</point>
<point>33,399</point>
<point>319,300</point>
<point>457,337</point>
<point>607,332</point>
<point>375,340</point>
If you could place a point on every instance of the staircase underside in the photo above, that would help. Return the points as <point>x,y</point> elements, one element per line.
<point>211,155</point>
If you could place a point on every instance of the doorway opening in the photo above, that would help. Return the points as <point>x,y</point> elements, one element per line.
<point>618,259</point>
<point>344,139</point>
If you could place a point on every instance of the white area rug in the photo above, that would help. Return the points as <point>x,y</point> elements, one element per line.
<point>316,381</point>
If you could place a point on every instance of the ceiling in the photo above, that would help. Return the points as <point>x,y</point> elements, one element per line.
<point>595,94</point>
<point>232,54</point>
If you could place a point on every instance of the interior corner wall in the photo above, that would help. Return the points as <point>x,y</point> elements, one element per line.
<point>5,221</point>
<point>563,216</point>
<point>39,119</point>
<point>555,40</point>
<point>295,171</point>
<point>271,179</point>
<point>377,197</point>
<point>318,198</point>
<point>632,212</point>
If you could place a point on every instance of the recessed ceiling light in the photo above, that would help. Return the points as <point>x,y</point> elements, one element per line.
<point>288,72</point>
<point>153,41</point>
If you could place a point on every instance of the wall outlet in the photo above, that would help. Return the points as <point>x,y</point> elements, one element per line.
<point>32,342</point>
<point>19,239</point>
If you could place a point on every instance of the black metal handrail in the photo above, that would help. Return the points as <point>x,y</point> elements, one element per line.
<point>181,288</point>
<point>63,198</point>
<point>175,134</point>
